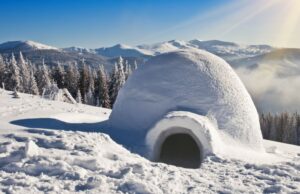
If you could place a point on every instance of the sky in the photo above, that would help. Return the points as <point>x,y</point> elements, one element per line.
<point>97,23</point>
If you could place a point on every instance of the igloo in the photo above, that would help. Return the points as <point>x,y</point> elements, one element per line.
<point>184,105</point>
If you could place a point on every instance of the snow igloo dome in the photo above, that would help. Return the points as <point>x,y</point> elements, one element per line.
<point>183,105</point>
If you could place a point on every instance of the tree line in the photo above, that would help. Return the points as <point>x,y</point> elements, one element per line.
<point>283,127</point>
<point>92,86</point>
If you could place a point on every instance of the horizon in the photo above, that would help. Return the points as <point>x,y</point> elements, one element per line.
<point>78,46</point>
<point>92,24</point>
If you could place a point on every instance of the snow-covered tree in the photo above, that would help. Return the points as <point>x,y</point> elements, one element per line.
<point>112,84</point>
<point>24,74</point>
<point>117,80</point>
<point>104,100</point>
<point>13,76</point>
<point>32,86</point>
<point>2,70</point>
<point>91,79</point>
<point>84,81</point>
<point>90,99</point>
<point>127,70</point>
<point>72,78</point>
<point>58,75</point>
<point>43,78</point>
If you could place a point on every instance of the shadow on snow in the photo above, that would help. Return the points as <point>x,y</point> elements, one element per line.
<point>51,123</point>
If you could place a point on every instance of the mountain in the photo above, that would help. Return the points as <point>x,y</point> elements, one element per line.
<point>37,52</point>
<point>123,50</point>
<point>230,50</point>
<point>16,46</point>
<point>79,50</point>
<point>164,47</point>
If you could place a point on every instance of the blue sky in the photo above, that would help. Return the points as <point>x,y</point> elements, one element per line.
<point>96,23</point>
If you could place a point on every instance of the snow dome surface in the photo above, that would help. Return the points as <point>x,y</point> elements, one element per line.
<point>190,81</point>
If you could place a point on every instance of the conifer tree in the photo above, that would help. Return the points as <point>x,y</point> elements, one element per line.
<point>84,81</point>
<point>118,80</point>
<point>59,75</point>
<point>24,74</point>
<point>72,79</point>
<point>90,100</point>
<point>2,70</point>
<point>33,89</point>
<point>104,100</point>
<point>43,78</point>
<point>13,76</point>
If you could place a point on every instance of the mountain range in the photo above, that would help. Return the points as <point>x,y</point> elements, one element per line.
<point>270,74</point>
<point>282,61</point>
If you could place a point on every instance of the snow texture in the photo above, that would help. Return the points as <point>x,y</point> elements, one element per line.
<point>192,81</point>
<point>49,147</point>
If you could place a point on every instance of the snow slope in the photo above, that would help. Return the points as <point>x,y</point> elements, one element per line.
<point>54,147</point>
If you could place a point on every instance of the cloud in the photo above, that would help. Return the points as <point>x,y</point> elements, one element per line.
<point>270,92</point>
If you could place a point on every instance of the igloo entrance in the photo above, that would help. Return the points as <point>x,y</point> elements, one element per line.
<point>180,150</point>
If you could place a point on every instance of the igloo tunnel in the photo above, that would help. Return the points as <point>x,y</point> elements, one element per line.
<point>184,105</point>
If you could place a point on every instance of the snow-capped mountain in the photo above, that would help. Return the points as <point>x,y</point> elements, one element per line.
<point>226,50</point>
<point>79,49</point>
<point>123,50</point>
<point>28,45</point>
<point>230,50</point>
<point>38,52</point>
<point>164,47</point>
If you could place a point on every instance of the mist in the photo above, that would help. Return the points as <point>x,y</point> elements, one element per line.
<point>270,91</point>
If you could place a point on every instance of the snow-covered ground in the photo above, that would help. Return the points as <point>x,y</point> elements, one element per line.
<point>55,147</point>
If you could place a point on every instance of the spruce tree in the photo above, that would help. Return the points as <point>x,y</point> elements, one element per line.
<point>24,74</point>
<point>59,75</point>
<point>104,100</point>
<point>112,84</point>
<point>72,79</point>
<point>2,71</point>
<point>32,86</point>
<point>90,100</point>
<point>84,81</point>
<point>43,78</point>
<point>13,76</point>
<point>118,80</point>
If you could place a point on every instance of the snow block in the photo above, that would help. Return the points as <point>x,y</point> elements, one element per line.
<point>187,91</point>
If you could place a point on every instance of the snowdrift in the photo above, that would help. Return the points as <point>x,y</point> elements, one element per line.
<point>186,92</point>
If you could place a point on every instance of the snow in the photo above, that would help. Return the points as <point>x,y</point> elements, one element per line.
<point>189,81</point>
<point>227,50</point>
<point>40,157</point>
<point>123,50</point>
<point>26,45</point>
<point>39,46</point>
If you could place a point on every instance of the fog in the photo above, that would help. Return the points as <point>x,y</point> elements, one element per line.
<point>271,92</point>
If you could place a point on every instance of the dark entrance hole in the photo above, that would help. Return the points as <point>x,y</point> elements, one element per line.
<point>180,150</point>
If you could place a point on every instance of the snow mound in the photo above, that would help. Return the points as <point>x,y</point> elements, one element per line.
<point>189,81</point>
